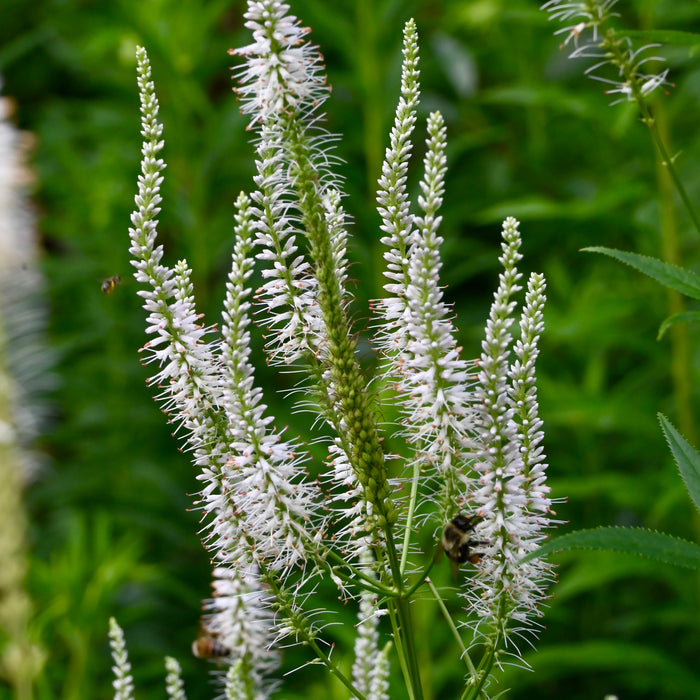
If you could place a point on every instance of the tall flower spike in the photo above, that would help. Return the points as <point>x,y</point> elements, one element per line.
<point>504,596</point>
<point>211,393</point>
<point>533,576</point>
<point>256,503</point>
<point>414,329</point>
<point>393,201</point>
<point>264,471</point>
<point>433,383</point>
<point>288,297</point>
<point>282,86</point>
<point>187,368</point>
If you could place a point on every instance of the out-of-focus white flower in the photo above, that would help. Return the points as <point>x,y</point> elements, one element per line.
<point>591,39</point>
<point>174,686</point>
<point>239,617</point>
<point>123,682</point>
<point>25,362</point>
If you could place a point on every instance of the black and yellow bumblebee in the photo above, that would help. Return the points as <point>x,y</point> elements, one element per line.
<point>457,542</point>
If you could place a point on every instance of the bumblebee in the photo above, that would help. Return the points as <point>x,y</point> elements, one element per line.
<point>457,540</point>
<point>207,647</point>
<point>110,283</point>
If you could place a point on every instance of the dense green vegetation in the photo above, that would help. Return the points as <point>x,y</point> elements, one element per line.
<point>110,529</point>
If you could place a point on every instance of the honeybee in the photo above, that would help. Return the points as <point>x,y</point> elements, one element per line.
<point>110,283</point>
<point>207,647</point>
<point>457,543</point>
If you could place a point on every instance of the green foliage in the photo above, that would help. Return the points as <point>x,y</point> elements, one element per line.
<point>630,540</point>
<point>687,459</point>
<point>530,136</point>
<point>671,276</point>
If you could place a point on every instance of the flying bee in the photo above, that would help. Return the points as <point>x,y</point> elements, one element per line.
<point>457,540</point>
<point>208,647</point>
<point>110,283</point>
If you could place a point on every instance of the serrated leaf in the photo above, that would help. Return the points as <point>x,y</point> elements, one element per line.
<point>686,457</point>
<point>631,540</point>
<point>683,317</point>
<point>678,278</point>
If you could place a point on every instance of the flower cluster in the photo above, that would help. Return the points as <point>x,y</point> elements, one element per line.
<point>510,493</point>
<point>257,505</point>
<point>468,432</point>
<point>591,38</point>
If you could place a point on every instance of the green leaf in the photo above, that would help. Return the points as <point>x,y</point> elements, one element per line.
<point>682,317</point>
<point>678,278</point>
<point>686,457</point>
<point>653,666</point>
<point>665,36</point>
<point>631,540</point>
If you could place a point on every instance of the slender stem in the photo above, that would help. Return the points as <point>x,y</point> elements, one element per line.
<point>405,624</point>
<point>482,673</point>
<point>406,628</point>
<point>300,625</point>
<point>354,573</point>
<point>680,344</point>
<point>409,519</point>
<point>334,669</point>
<point>400,652</point>
<point>667,161</point>
<point>487,660</point>
<point>453,629</point>
<point>422,577</point>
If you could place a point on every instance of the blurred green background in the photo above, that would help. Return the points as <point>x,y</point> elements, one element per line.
<point>110,531</point>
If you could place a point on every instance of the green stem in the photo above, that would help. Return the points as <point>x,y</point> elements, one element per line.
<point>409,519</point>
<point>667,161</point>
<point>335,670</point>
<point>355,573</point>
<point>482,673</point>
<point>398,643</point>
<point>405,623</point>
<point>453,629</point>
<point>422,578</point>
<point>680,344</point>
<point>406,629</point>
<point>302,629</point>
